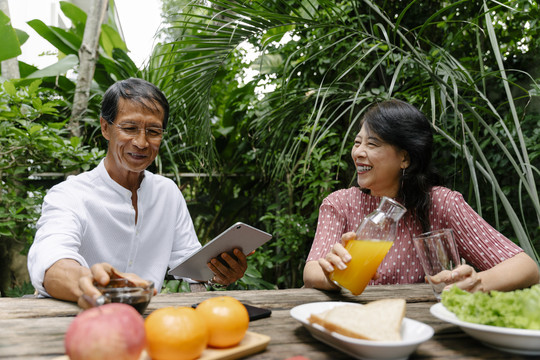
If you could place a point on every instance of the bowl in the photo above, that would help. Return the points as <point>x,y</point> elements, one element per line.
<point>413,333</point>
<point>124,291</point>
<point>510,340</point>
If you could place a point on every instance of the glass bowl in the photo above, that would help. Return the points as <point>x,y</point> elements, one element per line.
<point>124,291</point>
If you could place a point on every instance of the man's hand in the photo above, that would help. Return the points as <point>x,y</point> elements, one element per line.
<point>230,268</point>
<point>61,280</point>
<point>101,274</point>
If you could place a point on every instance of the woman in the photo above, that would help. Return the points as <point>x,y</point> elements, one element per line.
<point>392,155</point>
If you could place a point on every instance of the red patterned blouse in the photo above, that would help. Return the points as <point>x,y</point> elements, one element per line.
<point>478,242</point>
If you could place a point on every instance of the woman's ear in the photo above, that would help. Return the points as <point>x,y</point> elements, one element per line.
<point>105,128</point>
<point>405,160</point>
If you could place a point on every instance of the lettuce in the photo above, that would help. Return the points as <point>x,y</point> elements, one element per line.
<point>514,309</point>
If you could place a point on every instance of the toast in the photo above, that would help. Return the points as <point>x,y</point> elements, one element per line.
<point>378,320</point>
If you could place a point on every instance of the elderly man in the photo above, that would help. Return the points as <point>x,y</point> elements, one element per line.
<point>119,217</point>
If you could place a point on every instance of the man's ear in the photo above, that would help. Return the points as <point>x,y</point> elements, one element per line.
<point>105,128</point>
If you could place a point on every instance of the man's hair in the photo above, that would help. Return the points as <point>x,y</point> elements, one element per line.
<point>141,91</point>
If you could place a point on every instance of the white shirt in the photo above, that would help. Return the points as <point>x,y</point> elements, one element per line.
<point>90,218</point>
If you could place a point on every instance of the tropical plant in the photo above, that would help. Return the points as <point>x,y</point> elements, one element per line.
<point>265,140</point>
<point>34,111</point>
<point>33,141</point>
<point>341,56</point>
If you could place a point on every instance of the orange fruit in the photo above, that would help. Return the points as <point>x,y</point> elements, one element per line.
<point>175,333</point>
<point>227,320</point>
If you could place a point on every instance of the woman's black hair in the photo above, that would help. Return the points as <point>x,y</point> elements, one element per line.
<point>402,125</point>
<point>141,91</point>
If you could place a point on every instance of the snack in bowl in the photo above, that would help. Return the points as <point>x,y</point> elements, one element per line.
<point>378,320</point>
<point>120,290</point>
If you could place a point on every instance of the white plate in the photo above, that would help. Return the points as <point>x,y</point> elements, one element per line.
<point>517,341</point>
<point>413,333</point>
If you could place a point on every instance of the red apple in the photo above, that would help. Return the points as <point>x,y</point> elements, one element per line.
<point>113,331</point>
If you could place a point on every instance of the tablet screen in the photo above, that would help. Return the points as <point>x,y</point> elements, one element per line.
<point>240,235</point>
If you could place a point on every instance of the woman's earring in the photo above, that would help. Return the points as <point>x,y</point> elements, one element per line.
<point>402,176</point>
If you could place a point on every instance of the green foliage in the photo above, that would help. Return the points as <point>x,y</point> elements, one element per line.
<point>273,145</point>
<point>33,140</point>
<point>293,216</point>
<point>463,63</point>
<point>10,42</point>
<point>18,291</point>
<point>173,286</point>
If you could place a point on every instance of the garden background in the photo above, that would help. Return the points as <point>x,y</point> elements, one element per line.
<point>263,139</point>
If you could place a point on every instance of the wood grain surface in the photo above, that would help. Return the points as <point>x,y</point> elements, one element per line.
<point>34,328</point>
<point>251,344</point>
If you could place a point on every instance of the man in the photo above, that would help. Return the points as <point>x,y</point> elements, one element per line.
<point>119,217</point>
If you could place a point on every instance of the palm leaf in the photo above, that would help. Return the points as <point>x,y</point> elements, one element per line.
<point>304,114</point>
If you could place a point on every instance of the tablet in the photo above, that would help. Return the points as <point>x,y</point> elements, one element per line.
<point>240,235</point>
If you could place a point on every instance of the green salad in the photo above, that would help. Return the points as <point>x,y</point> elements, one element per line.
<point>515,309</point>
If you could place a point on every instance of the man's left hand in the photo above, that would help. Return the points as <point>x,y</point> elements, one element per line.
<point>230,269</point>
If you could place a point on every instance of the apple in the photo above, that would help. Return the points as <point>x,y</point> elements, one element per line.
<point>112,331</point>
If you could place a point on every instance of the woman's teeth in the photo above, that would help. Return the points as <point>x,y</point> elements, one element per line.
<point>363,168</point>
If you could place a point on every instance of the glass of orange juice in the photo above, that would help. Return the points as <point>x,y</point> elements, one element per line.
<point>374,238</point>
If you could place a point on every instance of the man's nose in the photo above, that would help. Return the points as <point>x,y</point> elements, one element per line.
<point>140,139</point>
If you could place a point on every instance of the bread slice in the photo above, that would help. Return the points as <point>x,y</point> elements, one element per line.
<point>378,320</point>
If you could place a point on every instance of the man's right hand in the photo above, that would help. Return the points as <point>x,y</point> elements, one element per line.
<point>101,274</point>
<point>68,280</point>
<point>61,280</point>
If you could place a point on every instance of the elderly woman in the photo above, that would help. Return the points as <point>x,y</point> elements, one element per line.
<point>392,154</point>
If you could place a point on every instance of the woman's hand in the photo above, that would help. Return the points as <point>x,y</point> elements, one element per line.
<point>101,274</point>
<point>230,269</point>
<point>464,277</point>
<point>338,257</point>
<point>317,272</point>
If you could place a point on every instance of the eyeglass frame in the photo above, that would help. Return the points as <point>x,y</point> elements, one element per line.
<point>139,128</point>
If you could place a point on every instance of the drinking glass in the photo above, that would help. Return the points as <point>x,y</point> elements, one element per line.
<point>437,252</point>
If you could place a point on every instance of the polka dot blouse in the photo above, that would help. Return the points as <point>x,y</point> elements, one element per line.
<point>478,242</point>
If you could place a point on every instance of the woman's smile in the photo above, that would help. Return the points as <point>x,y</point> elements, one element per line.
<point>378,164</point>
<point>363,168</point>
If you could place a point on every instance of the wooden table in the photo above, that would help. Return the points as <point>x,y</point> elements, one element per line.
<point>35,328</point>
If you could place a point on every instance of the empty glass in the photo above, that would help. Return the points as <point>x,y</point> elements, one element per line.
<point>437,252</point>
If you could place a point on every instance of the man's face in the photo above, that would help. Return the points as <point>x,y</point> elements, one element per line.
<point>134,139</point>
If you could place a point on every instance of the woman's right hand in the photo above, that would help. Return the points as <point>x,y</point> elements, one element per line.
<point>338,257</point>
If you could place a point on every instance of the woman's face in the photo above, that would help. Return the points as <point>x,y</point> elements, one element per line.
<point>378,164</point>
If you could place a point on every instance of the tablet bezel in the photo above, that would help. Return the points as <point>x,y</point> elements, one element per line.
<point>240,235</point>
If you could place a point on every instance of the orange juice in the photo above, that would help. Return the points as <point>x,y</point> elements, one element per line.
<point>366,255</point>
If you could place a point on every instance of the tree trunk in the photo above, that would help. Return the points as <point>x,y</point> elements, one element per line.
<point>10,67</point>
<point>88,54</point>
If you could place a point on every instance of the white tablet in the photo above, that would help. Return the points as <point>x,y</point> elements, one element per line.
<point>239,236</point>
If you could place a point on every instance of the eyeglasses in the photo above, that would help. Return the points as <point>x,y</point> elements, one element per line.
<point>133,130</point>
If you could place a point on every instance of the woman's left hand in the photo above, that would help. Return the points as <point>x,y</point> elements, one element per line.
<point>464,277</point>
